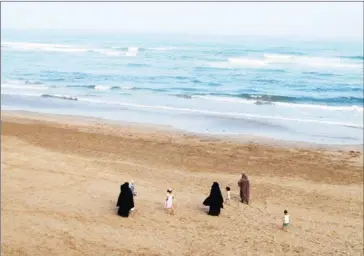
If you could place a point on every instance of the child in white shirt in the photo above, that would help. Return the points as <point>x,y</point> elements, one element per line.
<point>228,196</point>
<point>286,220</point>
<point>169,202</point>
<point>132,187</point>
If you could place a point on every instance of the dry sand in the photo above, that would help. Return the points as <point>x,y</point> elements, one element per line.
<point>60,178</point>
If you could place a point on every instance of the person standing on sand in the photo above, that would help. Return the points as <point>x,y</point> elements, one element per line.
<point>228,195</point>
<point>169,202</point>
<point>132,187</point>
<point>125,200</point>
<point>286,220</point>
<point>244,185</point>
<point>215,200</point>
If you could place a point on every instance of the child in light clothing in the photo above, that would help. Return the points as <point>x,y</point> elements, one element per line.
<point>169,202</point>
<point>228,196</point>
<point>286,220</point>
<point>132,187</point>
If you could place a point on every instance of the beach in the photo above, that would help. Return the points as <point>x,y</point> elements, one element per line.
<point>61,176</point>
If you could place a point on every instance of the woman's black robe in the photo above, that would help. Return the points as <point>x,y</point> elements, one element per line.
<point>215,200</point>
<point>125,200</point>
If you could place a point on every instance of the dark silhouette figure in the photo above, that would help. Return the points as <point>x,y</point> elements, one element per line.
<point>215,200</point>
<point>125,200</point>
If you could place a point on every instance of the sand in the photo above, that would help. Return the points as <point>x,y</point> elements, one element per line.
<point>60,178</point>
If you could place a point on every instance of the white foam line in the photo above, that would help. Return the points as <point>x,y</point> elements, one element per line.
<point>296,105</point>
<point>102,87</point>
<point>222,113</point>
<point>207,112</point>
<point>26,87</point>
<point>21,94</point>
<point>25,46</point>
<point>330,108</point>
<point>273,59</point>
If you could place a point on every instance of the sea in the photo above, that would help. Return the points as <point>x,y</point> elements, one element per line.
<point>308,90</point>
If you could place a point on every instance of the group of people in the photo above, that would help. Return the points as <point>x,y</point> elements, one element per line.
<point>214,201</point>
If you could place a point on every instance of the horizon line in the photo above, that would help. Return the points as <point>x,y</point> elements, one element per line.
<point>188,32</point>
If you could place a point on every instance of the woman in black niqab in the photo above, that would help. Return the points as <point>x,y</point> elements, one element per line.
<point>125,200</point>
<point>215,200</point>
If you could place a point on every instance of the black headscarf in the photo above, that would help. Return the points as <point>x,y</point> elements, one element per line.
<point>125,200</point>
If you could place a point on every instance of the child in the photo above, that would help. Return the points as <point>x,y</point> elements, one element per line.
<point>228,197</point>
<point>169,202</point>
<point>132,187</point>
<point>286,220</point>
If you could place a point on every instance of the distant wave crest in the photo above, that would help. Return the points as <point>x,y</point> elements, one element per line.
<point>23,84</point>
<point>109,87</point>
<point>46,47</point>
<point>269,60</point>
<point>129,51</point>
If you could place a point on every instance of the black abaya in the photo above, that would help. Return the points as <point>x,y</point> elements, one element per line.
<point>215,200</point>
<point>125,200</point>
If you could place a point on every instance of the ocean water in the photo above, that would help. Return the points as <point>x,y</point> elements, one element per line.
<point>284,88</point>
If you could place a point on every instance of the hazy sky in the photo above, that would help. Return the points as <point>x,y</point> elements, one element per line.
<point>302,19</point>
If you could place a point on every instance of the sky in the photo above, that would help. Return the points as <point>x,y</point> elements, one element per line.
<point>304,19</point>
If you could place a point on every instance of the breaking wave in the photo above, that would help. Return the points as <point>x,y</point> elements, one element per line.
<point>25,46</point>
<point>268,60</point>
<point>23,84</point>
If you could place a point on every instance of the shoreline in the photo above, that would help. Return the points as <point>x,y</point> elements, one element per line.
<point>260,140</point>
<point>256,121</point>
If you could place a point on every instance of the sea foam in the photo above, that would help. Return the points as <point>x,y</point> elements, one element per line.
<point>25,46</point>
<point>269,60</point>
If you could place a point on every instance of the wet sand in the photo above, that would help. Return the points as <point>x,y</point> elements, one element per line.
<point>61,177</point>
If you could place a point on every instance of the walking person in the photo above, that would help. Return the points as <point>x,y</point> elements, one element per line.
<point>244,185</point>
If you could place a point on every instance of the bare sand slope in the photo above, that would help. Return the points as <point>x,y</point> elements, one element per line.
<point>60,181</point>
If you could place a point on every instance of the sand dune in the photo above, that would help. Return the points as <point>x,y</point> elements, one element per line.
<point>61,178</point>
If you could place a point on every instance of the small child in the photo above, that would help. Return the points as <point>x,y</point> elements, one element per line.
<point>132,187</point>
<point>228,197</point>
<point>286,220</point>
<point>169,202</point>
